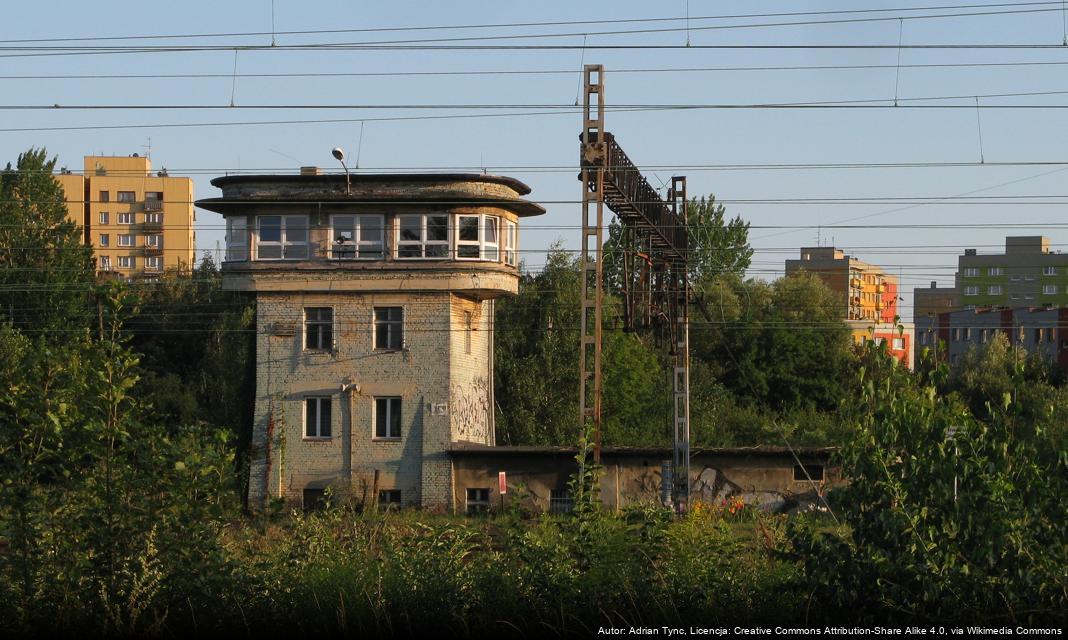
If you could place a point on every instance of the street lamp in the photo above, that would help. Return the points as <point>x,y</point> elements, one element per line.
<point>340,155</point>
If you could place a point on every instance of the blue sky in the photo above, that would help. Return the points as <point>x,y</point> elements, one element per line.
<point>665,138</point>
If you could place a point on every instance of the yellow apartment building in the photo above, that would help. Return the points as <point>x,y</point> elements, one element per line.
<point>140,224</point>
<point>866,292</point>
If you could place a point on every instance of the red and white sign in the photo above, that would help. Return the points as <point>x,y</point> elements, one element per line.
<point>502,483</point>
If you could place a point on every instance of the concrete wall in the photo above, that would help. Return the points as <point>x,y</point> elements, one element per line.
<point>760,478</point>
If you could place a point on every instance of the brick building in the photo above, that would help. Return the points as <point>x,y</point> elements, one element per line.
<point>374,325</point>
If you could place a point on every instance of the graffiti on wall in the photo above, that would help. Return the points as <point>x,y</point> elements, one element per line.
<point>469,406</point>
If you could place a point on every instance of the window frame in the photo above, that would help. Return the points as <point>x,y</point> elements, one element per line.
<point>995,271</point>
<point>423,243</point>
<point>511,243</point>
<point>104,196</point>
<point>1049,271</point>
<point>132,260</point>
<point>154,240</point>
<point>994,290</point>
<point>388,324</point>
<point>131,240</point>
<point>390,502</point>
<point>329,335</point>
<point>479,504</point>
<point>127,218</point>
<point>487,251</point>
<point>376,249</point>
<point>103,263</point>
<point>284,244</point>
<point>1049,289</point>
<point>104,218</point>
<point>394,414</point>
<point>154,263</point>
<point>971,290</point>
<point>233,231</point>
<point>105,239</point>
<point>971,272</point>
<point>318,402</point>
<point>126,196</point>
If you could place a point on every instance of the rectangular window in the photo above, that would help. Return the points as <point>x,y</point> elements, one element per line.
<point>1051,335</point>
<point>127,262</point>
<point>1039,335</point>
<point>154,218</point>
<point>389,328</point>
<point>154,240</point>
<point>995,271</point>
<point>423,236</point>
<point>317,417</point>
<point>971,290</point>
<point>389,499</point>
<point>236,238</point>
<point>153,201</point>
<point>899,344</point>
<point>1049,289</point>
<point>983,335</point>
<point>511,243</point>
<point>967,333</point>
<point>104,217</point>
<point>318,328</point>
<point>356,237</point>
<point>105,196</point>
<point>561,501</point>
<point>971,272</point>
<point>127,196</point>
<point>127,240</point>
<point>104,263</point>
<point>388,418</point>
<point>815,472</point>
<point>282,238</point>
<point>956,335</point>
<point>994,290</point>
<point>1049,271</point>
<point>126,218</point>
<point>923,340</point>
<point>478,501</point>
<point>153,263</point>
<point>478,237</point>
<point>105,239</point>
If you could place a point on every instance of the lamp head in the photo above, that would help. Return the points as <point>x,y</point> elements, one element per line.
<point>338,153</point>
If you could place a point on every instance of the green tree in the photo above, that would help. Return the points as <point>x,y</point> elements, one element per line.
<point>46,271</point>
<point>946,517</point>
<point>717,246</point>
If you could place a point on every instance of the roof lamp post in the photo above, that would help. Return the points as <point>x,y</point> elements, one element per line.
<point>340,155</point>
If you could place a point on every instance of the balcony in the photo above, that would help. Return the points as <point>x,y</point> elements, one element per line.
<point>154,249</point>
<point>153,222</point>
<point>153,204</point>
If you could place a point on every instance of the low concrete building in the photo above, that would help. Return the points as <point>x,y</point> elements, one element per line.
<point>770,478</point>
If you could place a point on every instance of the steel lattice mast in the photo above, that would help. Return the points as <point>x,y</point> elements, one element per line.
<point>658,229</point>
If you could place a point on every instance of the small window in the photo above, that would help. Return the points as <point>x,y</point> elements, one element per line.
<point>104,217</point>
<point>478,238</point>
<point>127,196</point>
<point>105,239</point>
<point>899,344</point>
<point>971,290</point>
<point>356,237</point>
<point>1039,335</point>
<point>511,243</point>
<point>995,271</point>
<point>478,501</point>
<point>956,335</point>
<point>423,236</point>
<point>967,333</point>
<point>388,418</point>
<point>1049,271</point>
<point>105,196</point>
<point>153,200</point>
<point>154,240</point>
<point>319,328</point>
<point>994,290</point>
<point>971,272</point>
<point>127,240</point>
<point>317,417</point>
<point>126,218</point>
<point>389,328</point>
<point>236,238</point>
<point>561,501</point>
<point>815,472</point>
<point>104,263</point>
<point>153,263</point>
<point>983,335</point>
<point>282,238</point>
<point>154,217</point>
<point>1051,335</point>
<point>923,340</point>
<point>127,262</point>
<point>389,499</point>
<point>1049,289</point>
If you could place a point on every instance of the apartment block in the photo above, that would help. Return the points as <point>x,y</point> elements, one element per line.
<point>374,349</point>
<point>1028,274</point>
<point>933,300</point>
<point>1039,331</point>
<point>866,292</point>
<point>899,338</point>
<point>139,223</point>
